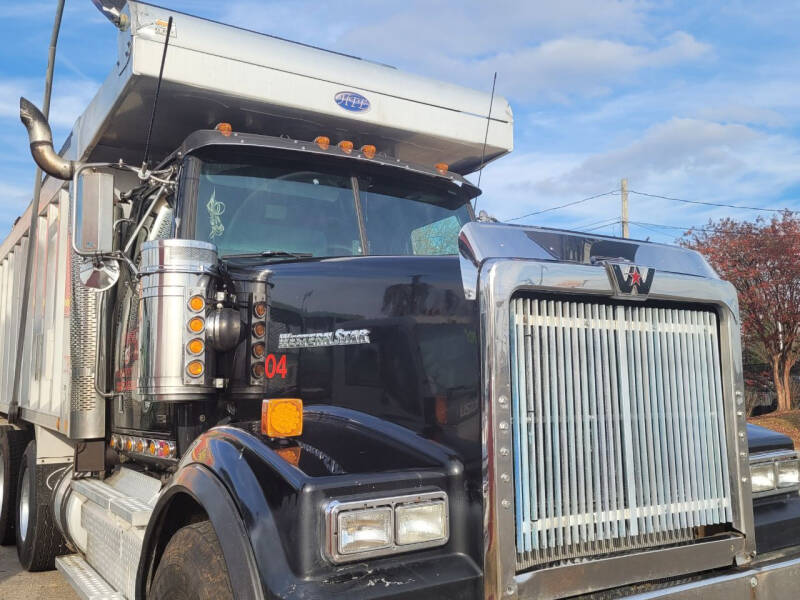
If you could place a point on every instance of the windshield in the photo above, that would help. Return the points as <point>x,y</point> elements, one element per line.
<point>288,208</point>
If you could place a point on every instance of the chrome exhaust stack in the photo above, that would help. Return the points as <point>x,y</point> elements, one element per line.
<point>41,138</point>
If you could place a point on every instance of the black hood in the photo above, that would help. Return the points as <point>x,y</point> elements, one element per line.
<point>762,439</point>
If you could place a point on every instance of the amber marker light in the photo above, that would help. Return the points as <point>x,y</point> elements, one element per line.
<point>346,146</point>
<point>282,417</point>
<point>196,346</point>
<point>442,168</point>
<point>197,303</point>
<point>368,150</point>
<point>260,309</point>
<point>224,128</point>
<point>257,370</point>
<point>259,329</point>
<point>323,141</point>
<point>196,325</point>
<point>258,350</point>
<point>195,368</point>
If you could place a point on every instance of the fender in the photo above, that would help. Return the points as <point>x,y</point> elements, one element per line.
<point>267,509</point>
<point>207,492</point>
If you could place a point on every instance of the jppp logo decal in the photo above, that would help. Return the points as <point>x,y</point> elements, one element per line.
<point>352,101</point>
<point>631,280</point>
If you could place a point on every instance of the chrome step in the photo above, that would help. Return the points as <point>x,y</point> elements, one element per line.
<point>85,580</point>
<point>133,511</point>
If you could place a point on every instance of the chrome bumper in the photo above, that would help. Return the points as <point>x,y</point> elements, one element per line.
<point>774,581</point>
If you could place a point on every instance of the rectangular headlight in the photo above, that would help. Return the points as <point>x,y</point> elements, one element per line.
<point>788,473</point>
<point>762,477</point>
<point>362,529</point>
<point>365,530</point>
<point>419,523</point>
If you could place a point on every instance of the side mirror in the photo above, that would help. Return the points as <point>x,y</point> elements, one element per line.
<point>93,222</point>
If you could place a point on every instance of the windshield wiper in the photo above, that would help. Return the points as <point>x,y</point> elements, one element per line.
<point>271,254</point>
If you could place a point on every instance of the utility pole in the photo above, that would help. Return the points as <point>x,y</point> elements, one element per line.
<point>624,220</point>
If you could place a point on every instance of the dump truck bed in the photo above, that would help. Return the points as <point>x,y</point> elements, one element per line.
<point>262,84</point>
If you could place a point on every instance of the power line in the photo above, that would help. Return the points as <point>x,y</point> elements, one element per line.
<point>593,223</point>
<point>759,208</point>
<point>611,224</point>
<point>560,206</point>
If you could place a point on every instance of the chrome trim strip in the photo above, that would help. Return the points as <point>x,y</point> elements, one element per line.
<point>775,581</point>
<point>607,573</point>
<point>498,281</point>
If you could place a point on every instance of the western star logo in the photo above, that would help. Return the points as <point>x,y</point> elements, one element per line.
<point>340,337</point>
<point>631,280</point>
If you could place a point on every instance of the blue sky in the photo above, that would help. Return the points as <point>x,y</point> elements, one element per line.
<point>696,100</point>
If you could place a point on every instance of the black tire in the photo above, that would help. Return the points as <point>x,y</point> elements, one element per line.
<point>192,567</point>
<point>38,539</point>
<point>12,445</point>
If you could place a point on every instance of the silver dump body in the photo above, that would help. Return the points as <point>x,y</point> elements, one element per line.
<point>214,73</point>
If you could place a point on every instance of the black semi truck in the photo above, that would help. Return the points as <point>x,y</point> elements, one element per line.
<point>287,361</point>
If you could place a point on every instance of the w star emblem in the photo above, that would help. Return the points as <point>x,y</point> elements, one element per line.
<point>631,280</point>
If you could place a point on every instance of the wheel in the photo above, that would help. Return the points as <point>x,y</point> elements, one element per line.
<point>192,567</point>
<point>12,445</point>
<point>38,539</point>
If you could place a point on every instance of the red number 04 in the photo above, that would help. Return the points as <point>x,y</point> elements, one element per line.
<point>275,366</point>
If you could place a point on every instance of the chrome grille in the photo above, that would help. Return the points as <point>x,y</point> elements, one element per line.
<point>618,425</point>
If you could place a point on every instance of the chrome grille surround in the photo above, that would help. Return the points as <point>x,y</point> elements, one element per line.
<point>498,281</point>
<point>618,427</point>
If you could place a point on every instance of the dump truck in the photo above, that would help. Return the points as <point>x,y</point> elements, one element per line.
<point>271,352</point>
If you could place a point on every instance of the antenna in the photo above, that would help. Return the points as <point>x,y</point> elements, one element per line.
<point>146,161</point>
<point>485,138</point>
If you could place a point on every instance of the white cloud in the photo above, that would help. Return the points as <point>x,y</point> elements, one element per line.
<point>681,157</point>
<point>559,68</point>
<point>69,99</point>
<point>548,50</point>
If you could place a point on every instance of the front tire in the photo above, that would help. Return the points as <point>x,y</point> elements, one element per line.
<point>192,567</point>
<point>38,538</point>
<point>12,445</point>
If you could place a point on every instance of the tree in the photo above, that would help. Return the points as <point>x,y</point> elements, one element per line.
<point>762,260</point>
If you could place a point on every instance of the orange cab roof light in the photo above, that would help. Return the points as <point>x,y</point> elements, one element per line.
<point>442,168</point>
<point>323,141</point>
<point>224,128</point>
<point>368,150</point>
<point>282,417</point>
<point>346,146</point>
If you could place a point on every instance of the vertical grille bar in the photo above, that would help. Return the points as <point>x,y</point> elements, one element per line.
<point>619,435</point>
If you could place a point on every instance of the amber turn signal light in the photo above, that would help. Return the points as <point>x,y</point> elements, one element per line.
<point>346,146</point>
<point>282,417</point>
<point>196,325</point>
<point>323,141</point>
<point>197,303</point>
<point>259,329</point>
<point>260,309</point>
<point>195,346</point>
<point>368,150</point>
<point>195,368</point>
<point>442,168</point>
